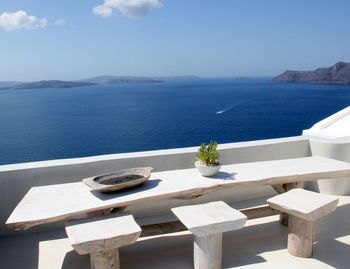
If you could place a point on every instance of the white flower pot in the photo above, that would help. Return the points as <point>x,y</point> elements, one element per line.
<point>206,170</point>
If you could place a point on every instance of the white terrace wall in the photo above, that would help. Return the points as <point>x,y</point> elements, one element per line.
<point>17,179</point>
<point>331,138</point>
<point>338,149</point>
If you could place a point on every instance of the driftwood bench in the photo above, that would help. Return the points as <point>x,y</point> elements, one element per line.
<point>207,222</point>
<point>303,208</point>
<point>101,237</point>
<point>46,204</point>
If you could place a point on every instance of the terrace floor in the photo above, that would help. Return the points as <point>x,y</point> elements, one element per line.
<point>261,240</point>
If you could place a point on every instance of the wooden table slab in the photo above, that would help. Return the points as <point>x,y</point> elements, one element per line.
<point>56,202</point>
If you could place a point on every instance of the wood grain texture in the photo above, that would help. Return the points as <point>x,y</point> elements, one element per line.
<point>284,218</point>
<point>162,228</point>
<point>278,188</point>
<point>105,259</point>
<point>103,212</point>
<point>304,204</point>
<point>303,208</point>
<point>300,237</point>
<point>207,222</point>
<point>57,202</point>
<point>104,233</point>
<point>210,218</point>
<point>207,251</point>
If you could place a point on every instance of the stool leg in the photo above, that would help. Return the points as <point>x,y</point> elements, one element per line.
<point>105,259</point>
<point>208,251</point>
<point>300,237</point>
<point>284,218</point>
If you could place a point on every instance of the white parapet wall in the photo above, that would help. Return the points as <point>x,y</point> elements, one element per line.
<point>17,179</point>
<point>331,138</point>
<point>338,149</point>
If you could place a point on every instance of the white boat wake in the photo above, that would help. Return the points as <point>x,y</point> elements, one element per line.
<point>229,108</point>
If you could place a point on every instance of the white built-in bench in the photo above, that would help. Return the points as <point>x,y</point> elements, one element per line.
<point>207,222</point>
<point>101,237</point>
<point>303,208</point>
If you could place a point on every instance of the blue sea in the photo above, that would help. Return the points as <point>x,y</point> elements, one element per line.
<point>45,124</point>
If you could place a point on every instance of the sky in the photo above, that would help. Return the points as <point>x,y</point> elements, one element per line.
<point>68,40</point>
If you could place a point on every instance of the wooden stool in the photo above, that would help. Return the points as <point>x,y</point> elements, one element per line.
<point>207,222</point>
<point>101,237</point>
<point>303,207</point>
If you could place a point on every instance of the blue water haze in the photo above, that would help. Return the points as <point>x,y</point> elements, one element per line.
<point>44,124</point>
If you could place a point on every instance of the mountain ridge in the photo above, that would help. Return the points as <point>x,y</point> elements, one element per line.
<point>336,74</point>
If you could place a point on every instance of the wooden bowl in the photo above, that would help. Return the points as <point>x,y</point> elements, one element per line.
<point>119,180</point>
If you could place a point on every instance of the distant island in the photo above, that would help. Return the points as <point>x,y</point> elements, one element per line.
<point>336,74</point>
<point>134,79</point>
<point>121,80</point>
<point>11,85</point>
<point>49,84</point>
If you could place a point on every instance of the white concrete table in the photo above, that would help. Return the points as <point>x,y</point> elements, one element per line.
<point>303,207</point>
<point>207,222</point>
<point>57,202</point>
<point>101,237</point>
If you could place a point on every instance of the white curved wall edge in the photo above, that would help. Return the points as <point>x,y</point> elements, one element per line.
<point>322,139</point>
<point>336,148</point>
<point>334,126</point>
<point>330,137</point>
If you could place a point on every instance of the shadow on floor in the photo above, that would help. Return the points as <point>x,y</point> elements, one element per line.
<point>21,251</point>
<point>73,260</point>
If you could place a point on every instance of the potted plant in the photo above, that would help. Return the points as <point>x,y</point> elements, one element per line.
<point>208,163</point>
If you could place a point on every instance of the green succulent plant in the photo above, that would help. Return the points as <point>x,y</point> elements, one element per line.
<point>208,155</point>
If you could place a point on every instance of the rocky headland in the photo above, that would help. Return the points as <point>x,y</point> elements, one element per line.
<point>336,74</point>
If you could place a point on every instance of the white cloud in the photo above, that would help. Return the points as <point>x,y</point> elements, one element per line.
<point>103,10</point>
<point>20,20</point>
<point>129,8</point>
<point>60,22</point>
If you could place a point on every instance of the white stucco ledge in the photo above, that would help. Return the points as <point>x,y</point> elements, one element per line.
<point>336,126</point>
<point>145,154</point>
